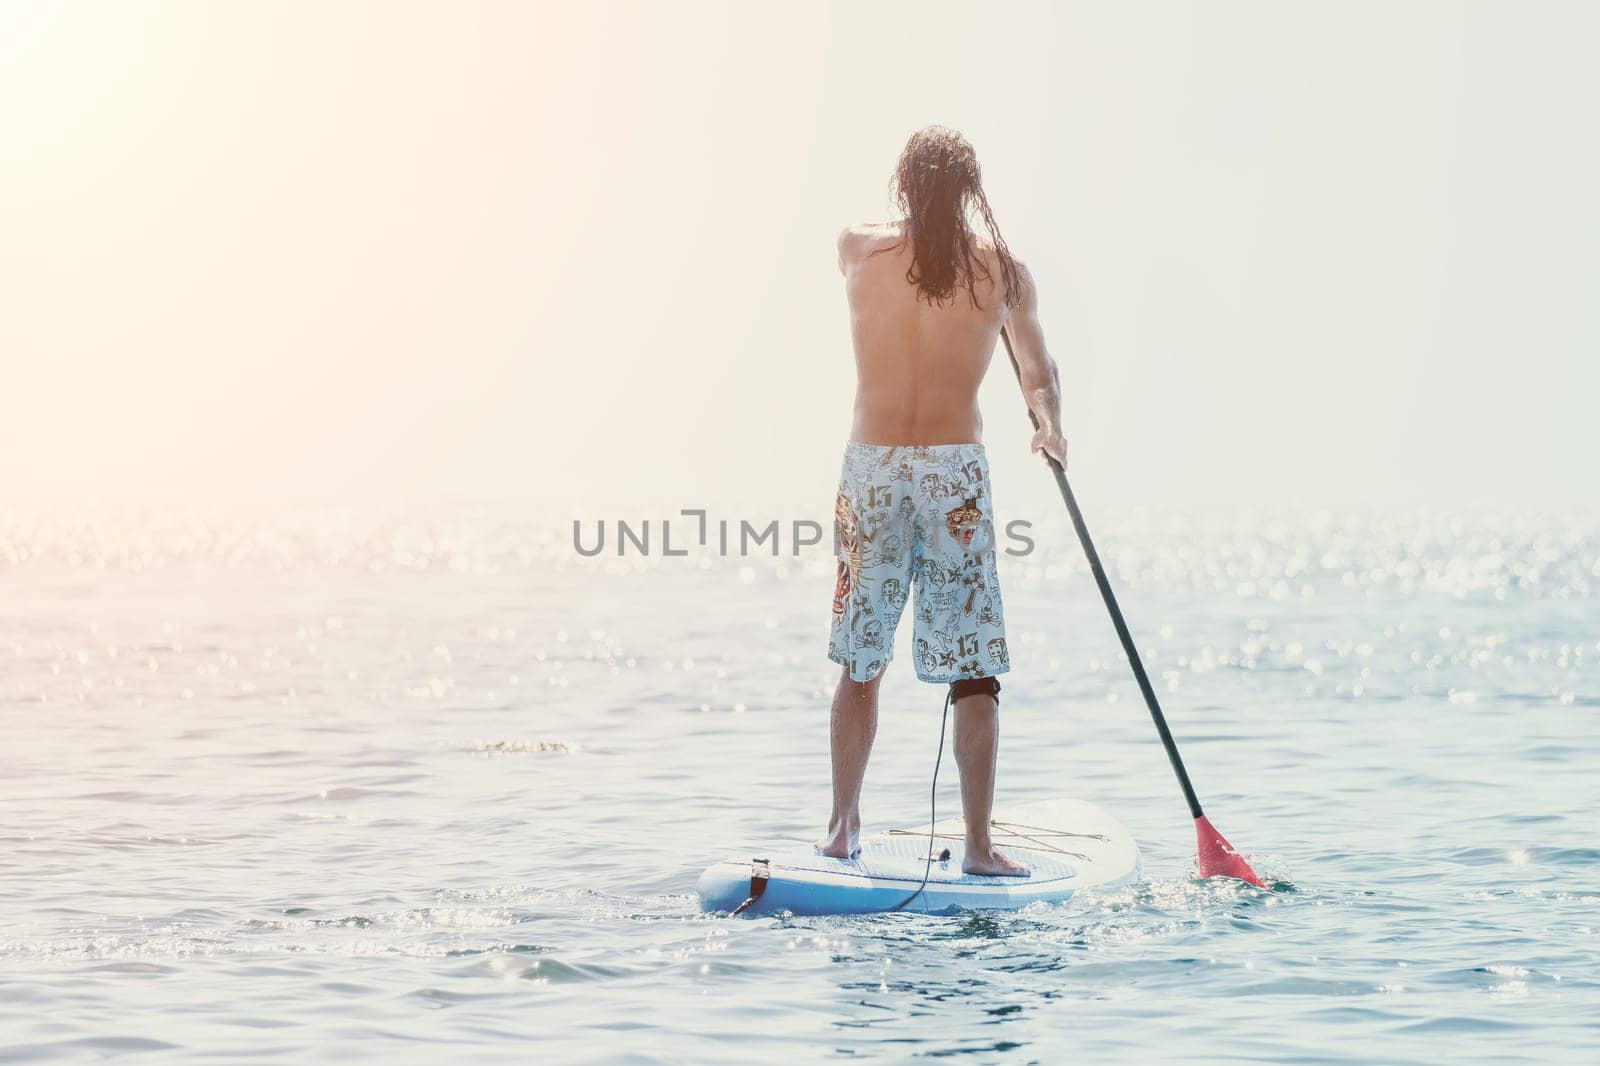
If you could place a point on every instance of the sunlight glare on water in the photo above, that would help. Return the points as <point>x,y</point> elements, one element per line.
<point>401,785</point>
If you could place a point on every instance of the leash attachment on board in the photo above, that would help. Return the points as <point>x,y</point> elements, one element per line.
<point>760,874</point>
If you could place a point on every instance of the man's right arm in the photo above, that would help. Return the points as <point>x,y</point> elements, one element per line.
<point>1036,371</point>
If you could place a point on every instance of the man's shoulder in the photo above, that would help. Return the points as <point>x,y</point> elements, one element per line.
<point>991,259</point>
<point>859,236</point>
<point>987,247</point>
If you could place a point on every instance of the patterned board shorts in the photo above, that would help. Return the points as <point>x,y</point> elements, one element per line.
<point>915,521</point>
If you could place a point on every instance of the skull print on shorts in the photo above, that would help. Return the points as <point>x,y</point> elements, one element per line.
<point>914,524</point>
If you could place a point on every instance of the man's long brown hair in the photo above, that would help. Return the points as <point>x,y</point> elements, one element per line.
<point>935,183</point>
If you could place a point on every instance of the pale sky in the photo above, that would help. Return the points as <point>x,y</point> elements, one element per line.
<point>1288,252</point>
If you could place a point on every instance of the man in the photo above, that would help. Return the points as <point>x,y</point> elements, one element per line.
<point>928,297</point>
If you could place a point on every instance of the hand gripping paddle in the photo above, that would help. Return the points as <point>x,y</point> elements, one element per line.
<point>1217,858</point>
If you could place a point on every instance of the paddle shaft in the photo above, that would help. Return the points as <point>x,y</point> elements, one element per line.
<point>1117,620</point>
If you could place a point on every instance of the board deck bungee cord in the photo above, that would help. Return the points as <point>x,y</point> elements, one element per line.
<point>1070,845</point>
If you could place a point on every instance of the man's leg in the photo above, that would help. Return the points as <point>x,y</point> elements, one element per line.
<point>977,751</point>
<point>854,723</point>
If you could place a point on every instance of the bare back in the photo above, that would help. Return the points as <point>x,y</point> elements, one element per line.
<point>918,365</point>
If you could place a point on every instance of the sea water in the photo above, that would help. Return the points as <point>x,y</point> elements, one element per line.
<point>433,786</point>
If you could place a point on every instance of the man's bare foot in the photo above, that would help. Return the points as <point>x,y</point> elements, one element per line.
<point>992,862</point>
<point>842,842</point>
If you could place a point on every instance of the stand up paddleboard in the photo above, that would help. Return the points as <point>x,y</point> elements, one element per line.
<point>1070,845</point>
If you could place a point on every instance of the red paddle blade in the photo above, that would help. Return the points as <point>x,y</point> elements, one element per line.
<point>1217,857</point>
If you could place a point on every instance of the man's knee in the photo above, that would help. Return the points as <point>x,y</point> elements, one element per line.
<point>973,686</point>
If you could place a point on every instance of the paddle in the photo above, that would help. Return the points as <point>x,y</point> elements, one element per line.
<point>1216,856</point>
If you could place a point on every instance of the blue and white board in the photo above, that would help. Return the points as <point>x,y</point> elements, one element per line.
<point>1069,844</point>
